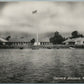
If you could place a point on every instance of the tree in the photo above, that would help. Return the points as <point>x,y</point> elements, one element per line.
<point>81,35</point>
<point>32,41</point>
<point>57,38</point>
<point>8,37</point>
<point>76,34</point>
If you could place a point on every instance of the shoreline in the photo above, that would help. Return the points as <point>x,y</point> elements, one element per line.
<point>44,47</point>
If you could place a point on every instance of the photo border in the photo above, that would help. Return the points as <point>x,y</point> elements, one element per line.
<point>42,0</point>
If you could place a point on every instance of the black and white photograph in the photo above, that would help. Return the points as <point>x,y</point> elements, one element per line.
<point>42,42</point>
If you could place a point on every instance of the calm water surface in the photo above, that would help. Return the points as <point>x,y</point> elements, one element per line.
<point>40,65</point>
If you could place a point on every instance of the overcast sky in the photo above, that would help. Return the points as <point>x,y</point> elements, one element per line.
<point>50,16</point>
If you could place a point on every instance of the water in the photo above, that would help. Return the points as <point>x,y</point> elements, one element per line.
<point>43,65</point>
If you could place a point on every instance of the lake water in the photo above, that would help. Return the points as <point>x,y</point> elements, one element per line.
<point>43,65</point>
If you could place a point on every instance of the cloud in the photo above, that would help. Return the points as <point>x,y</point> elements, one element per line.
<point>50,16</point>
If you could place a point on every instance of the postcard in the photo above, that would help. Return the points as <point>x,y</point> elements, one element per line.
<point>42,42</point>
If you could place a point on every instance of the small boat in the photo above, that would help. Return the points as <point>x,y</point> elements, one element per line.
<point>71,47</point>
<point>21,47</point>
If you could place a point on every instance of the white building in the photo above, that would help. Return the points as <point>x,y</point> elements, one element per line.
<point>74,41</point>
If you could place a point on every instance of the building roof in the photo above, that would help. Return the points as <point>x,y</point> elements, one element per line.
<point>3,40</point>
<point>74,40</point>
<point>18,40</point>
<point>25,40</point>
<point>79,39</point>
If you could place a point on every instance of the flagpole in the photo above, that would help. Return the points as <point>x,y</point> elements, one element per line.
<point>34,12</point>
<point>37,38</point>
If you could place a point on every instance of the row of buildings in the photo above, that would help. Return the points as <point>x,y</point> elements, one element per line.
<point>17,43</point>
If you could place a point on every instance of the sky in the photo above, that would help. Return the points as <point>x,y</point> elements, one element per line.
<point>51,16</point>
